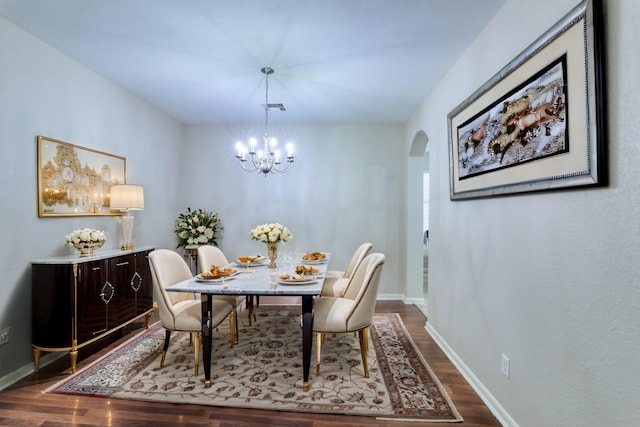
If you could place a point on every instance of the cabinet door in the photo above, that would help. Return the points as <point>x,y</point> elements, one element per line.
<point>95,300</point>
<point>121,272</point>
<point>52,291</point>
<point>142,281</point>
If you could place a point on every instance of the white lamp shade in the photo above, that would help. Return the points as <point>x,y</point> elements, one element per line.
<point>127,196</point>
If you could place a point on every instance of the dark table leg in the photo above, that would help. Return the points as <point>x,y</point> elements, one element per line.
<point>207,334</point>
<point>307,338</point>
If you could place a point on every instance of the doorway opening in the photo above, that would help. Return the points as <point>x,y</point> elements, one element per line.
<point>426,178</point>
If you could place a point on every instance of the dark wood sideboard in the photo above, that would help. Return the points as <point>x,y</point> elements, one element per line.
<point>76,301</point>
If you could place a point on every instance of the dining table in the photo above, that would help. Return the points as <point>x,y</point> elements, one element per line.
<point>257,279</point>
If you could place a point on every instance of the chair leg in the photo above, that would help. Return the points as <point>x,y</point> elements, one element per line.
<point>167,335</point>
<point>319,339</point>
<point>364,337</point>
<point>237,329</point>
<point>196,346</point>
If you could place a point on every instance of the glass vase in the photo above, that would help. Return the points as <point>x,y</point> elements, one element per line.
<point>272,254</point>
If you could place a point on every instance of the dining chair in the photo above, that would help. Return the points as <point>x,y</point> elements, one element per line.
<point>336,282</point>
<point>209,255</point>
<point>352,312</point>
<point>179,311</point>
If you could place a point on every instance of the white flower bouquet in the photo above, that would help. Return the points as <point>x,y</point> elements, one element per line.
<point>197,227</point>
<point>86,235</point>
<point>271,233</point>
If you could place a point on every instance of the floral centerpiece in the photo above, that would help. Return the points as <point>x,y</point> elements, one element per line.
<point>86,240</point>
<point>271,234</point>
<point>197,227</point>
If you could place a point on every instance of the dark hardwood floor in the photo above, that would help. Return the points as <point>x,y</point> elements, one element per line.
<point>24,404</point>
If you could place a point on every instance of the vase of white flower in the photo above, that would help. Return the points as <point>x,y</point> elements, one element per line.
<point>197,227</point>
<point>86,240</point>
<point>271,234</point>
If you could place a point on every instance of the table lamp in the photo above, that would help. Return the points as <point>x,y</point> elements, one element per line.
<point>126,198</point>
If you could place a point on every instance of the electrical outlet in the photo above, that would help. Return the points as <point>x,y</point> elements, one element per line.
<point>4,335</point>
<point>504,367</point>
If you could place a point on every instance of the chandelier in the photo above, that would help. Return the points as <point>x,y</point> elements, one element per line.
<point>269,158</point>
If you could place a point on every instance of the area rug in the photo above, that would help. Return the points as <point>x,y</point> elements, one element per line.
<point>264,371</point>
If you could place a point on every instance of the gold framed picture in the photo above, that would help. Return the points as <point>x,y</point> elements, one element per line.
<point>76,181</point>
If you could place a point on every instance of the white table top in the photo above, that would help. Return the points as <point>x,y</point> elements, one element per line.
<point>257,282</point>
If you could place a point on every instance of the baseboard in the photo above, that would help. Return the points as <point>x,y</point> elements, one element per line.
<point>492,403</point>
<point>27,370</point>
<point>390,297</point>
<point>416,301</point>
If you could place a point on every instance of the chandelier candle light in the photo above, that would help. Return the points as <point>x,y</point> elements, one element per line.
<point>268,159</point>
<point>126,198</point>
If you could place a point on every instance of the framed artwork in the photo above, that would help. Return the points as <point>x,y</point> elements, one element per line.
<point>76,181</point>
<point>539,123</point>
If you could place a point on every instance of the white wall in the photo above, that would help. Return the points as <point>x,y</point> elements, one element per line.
<point>344,188</point>
<point>550,279</point>
<point>44,92</point>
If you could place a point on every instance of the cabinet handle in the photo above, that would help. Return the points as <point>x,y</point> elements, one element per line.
<point>96,268</point>
<point>120,264</point>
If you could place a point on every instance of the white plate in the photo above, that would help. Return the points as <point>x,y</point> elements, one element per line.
<point>296,281</point>
<point>257,263</point>
<point>199,278</point>
<point>219,281</point>
<point>313,261</point>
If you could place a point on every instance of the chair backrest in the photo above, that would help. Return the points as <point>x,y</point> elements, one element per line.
<point>357,258</point>
<point>210,255</point>
<point>364,291</point>
<point>168,268</point>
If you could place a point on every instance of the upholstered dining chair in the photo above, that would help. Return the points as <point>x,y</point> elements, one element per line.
<point>336,282</point>
<point>352,312</point>
<point>209,255</point>
<point>179,311</point>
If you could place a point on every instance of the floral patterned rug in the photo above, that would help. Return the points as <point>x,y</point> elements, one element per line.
<point>264,371</point>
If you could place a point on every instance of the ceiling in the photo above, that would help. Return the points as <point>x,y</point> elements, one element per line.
<point>199,61</point>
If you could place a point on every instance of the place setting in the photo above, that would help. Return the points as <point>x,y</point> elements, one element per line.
<point>249,262</point>
<point>301,275</point>
<point>217,275</point>
<point>313,258</point>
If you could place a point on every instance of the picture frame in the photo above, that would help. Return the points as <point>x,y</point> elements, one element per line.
<point>75,180</point>
<point>539,123</point>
